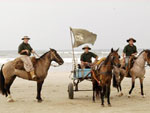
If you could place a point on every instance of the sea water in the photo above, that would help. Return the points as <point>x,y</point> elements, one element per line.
<point>67,56</point>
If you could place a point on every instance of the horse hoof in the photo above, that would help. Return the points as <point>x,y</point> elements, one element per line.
<point>40,100</point>
<point>129,96</point>
<point>109,105</point>
<point>121,94</point>
<point>10,100</point>
<point>103,105</point>
<point>143,96</point>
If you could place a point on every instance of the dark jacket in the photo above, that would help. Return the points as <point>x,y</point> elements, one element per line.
<point>87,57</point>
<point>129,50</point>
<point>24,46</point>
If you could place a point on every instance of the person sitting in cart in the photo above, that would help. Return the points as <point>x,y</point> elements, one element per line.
<point>86,58</point>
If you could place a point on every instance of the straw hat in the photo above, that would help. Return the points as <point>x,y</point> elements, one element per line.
<point>131,39</point>
<point>86,47</point>
<point>25,37</point>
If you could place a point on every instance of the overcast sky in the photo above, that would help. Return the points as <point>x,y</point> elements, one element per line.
<point>47,22</point>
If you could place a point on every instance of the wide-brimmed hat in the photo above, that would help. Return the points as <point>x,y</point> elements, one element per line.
<point>25,37</point>
<point>86,47</point>
<point>131,39</point>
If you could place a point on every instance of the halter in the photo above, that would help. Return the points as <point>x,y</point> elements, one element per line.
<point>52,53</point>
<point>35,54</point>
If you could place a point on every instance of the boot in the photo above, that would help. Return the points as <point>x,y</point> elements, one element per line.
<point>33,76</point>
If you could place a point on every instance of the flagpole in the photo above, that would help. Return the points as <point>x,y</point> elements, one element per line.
<point>72,49</point>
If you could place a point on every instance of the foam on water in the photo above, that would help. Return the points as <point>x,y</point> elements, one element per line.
<point>6,56</point>
<point>4,60</point>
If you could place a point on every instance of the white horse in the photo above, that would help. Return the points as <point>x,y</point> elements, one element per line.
<point>137,71</point>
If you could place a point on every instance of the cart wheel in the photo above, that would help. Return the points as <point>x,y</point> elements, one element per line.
<point>70,91</point>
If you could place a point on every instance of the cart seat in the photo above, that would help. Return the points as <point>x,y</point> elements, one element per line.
<point>82,73</point>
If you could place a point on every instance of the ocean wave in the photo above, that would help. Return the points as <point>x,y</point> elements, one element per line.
<point>5,60</point>
<point>6,56</point>
<point>66,60</point>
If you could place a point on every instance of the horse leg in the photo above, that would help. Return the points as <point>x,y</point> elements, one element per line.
<point>39,88</point>
<point>133,84</point>
<point>94,90</point>
<point>120,88</point>
<point>7,86</point>
<point>103,92</point>
<point>141,84</point>
<point>108,95</point>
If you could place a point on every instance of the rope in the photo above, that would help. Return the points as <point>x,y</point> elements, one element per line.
<point>35,54</point>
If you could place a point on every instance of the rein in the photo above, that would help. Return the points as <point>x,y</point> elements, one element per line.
<point>35,54</point>
<point>56,58</point>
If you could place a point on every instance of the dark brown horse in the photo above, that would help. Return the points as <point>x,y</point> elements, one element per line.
<point>9,73</point>
<point>103,76</point>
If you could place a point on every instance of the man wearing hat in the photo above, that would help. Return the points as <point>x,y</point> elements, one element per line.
<point>86,57</point>
<point>128,51</point>
<point>25,51</point>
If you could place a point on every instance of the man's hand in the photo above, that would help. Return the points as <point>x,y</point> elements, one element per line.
<point>27,51</point>
<point>24,51</point>
<point>134,54</point>
<point>84,63</point>
<point>123,55</point>
<point>33,51</point>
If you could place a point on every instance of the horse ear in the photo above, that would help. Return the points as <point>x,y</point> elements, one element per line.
<point>117,50</point>
<point>112,50</point>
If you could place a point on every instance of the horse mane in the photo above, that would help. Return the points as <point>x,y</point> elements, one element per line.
<point>144,51</point>
<point>43,55</point>
<point>140,53</point>
<point>148,53</point>
<point>107,60</point>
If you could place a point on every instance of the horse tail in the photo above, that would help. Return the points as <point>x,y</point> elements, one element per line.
<point>114,81</point>
<point>2,82</point>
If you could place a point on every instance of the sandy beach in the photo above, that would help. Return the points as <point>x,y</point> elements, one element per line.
<point>56,100</point>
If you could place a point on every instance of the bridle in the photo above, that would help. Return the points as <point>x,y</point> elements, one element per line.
<point>147,60</point>
<point>52,53</point>
<point>112,61</point>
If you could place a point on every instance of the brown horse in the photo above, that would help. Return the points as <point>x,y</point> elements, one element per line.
<point>102,82</point>
<point>9,73</point>
<point>136,71</point>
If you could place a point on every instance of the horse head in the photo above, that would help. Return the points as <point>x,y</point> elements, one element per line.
<point>115,58</point>
<point>56,57</point>
<point>147,56</point>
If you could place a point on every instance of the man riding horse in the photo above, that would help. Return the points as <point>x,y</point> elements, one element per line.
<point>25,51</point>
<point>86,58</point>
<point>129,52</point>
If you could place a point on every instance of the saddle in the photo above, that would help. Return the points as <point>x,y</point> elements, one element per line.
<point>130,65</point>
<point>18,63</point>
<point>99,65</point>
